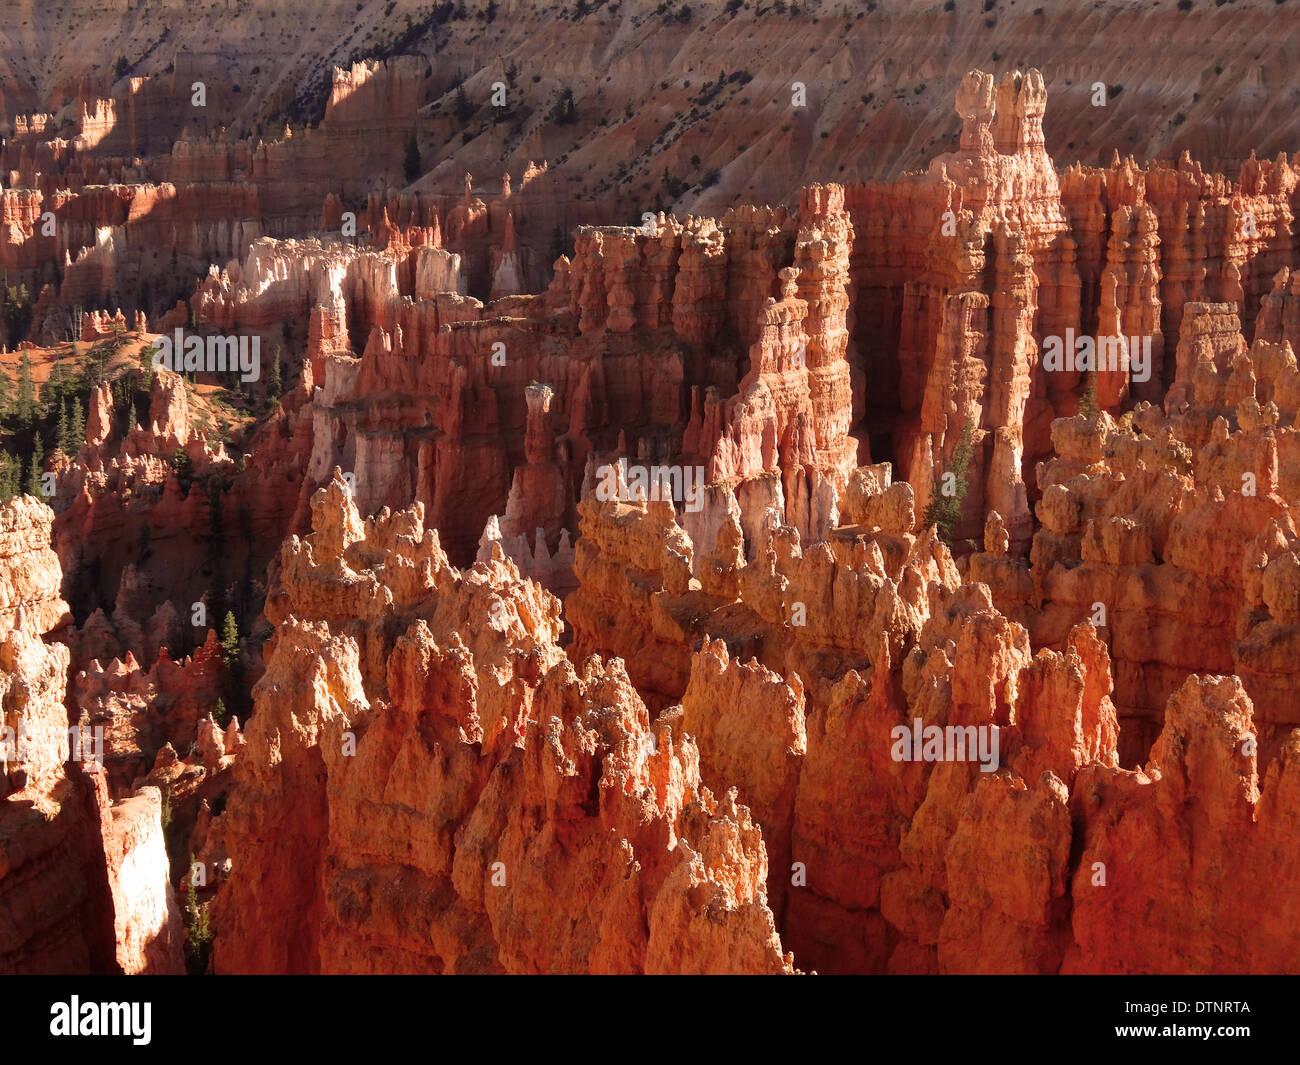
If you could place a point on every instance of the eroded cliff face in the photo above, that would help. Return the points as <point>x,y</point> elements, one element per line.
<point>645,86</point>
<point>882,862</point>
<point>520,703</point>
<point>1172,532</point>
<point>531,820</point>
<point>84,883</point>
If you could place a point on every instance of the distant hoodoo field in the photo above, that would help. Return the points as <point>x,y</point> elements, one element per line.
<point>711,488</point>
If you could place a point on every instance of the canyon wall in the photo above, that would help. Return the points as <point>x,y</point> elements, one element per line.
<point>514,706</point>
<point>84,883</point>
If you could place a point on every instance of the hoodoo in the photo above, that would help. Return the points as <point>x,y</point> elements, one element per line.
<point>709,489</point>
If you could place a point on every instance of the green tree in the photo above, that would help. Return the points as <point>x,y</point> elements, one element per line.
<point>229,640</point>
<point>9,470</point>
<point>55,388</point>
<point>233,694</point>
<point>198,931</point>
<point>33,485</point>
<point>1088,401</point>
<point>76,427</point>
<point>17,311</point>
<point>183,466</point>
<point>25,411</point>
<point>944,509</point>
<point>145,375</point>
<point>564,113</point>
<point>464,109</point>
<point>276,384</point>
<point>61,431</point>
<point>220,714</point>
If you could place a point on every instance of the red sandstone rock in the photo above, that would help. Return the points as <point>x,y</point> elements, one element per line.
<point>706,779</point>
<point>83,882</point>
<point>626,832</point>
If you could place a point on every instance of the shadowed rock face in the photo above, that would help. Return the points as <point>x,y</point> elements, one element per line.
<point>84,885</point>
<point>510,700</point>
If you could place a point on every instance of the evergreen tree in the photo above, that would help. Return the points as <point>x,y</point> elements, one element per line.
<point>86,372</point>
<point>146,368</point>
<point>26,408</point>
<point>944,511</point>
<point>8,477</point>
<point>220,714</point>
<point>33,486</point>
<point>198,931</point>
<point>564,113</point>
<point>464,109</point>
<point>61,431</point>
<point>233,694</point>
<point>53,397</point>
<point>229,639</point>
<point>183,466</point>
<point>1088,401</point>
<point>17,311</point>
<point>76,427</point>
<point>276,384</point>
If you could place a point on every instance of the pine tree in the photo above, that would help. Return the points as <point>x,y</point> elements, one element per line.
<point>229,640</point>
<point>146,368</point>
<point>8,477</point>
<point>61,431</point>
<point>464,109</point>
<point>276,384</point>
<point>183,466</point>
<point>233,693</point>
<point>26,409</point>
<point>76,427</point>
<point>33,486</point>
<point>17,311</point>
<point>944,511</point>
<point>1088,401</point>
<point>53,397</point>
<point>198,931</point>
<point>220,714</point>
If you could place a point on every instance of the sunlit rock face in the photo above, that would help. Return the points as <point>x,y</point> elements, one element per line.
<point>782,574</point>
